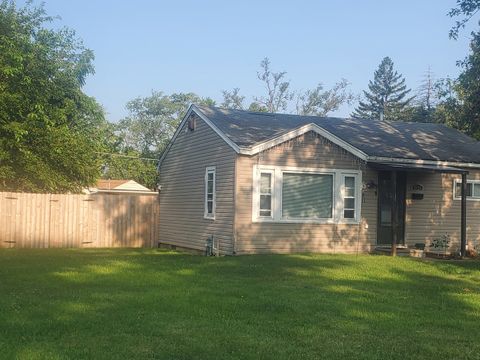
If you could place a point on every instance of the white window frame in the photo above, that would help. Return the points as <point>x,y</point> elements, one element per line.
<point>272,192</point>
<point>337,194</point>
<point>206,214</point>
<point>458,182</point>
<point>343,195</point>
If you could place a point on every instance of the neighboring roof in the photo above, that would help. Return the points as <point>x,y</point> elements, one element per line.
<point>374,139</point>
<point>120,185</point>
<point>109,184</point>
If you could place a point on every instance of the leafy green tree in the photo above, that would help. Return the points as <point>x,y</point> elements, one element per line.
<point>144,134</point>
<point>321,102</point>
<point>460,99</point>
<point>120,162</point>
<point>255,107</point>
<point>467,9</point>
<point>152,120</point>
<point>50,131</point>
<point>459,104</point>
<point>233,99</point>
<point>279,95</point>
<point>387,96</point>
<point>447,109</point>
<point>278,89</point>
<point>132,166</point>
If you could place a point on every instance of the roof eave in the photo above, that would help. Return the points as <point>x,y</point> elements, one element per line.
<point>265,145</point>
<point>472,165</point>
<point>199,113</point>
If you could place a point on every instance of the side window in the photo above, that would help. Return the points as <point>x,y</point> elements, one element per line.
<point>349,197</point>
<point>210,196</point>
<point>473,190</point>
<point>265,193</point>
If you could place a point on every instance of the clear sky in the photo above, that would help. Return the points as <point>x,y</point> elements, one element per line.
<point>206,46</point>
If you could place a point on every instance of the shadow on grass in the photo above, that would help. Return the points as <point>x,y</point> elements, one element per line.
<point>152,304</point>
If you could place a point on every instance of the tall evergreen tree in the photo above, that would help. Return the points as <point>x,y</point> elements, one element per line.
<point>387,95</point>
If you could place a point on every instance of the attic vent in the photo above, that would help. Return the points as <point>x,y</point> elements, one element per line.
<point>192,122</point>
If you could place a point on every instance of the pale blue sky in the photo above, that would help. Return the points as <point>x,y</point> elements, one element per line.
<point>206,46</point>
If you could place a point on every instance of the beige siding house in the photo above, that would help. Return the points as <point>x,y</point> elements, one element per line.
<point>276,183</point>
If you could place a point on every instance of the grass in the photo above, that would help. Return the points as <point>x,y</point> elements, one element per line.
<point>126,304</point>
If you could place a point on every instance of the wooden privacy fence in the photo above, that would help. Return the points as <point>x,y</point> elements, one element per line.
<point>65,220</point>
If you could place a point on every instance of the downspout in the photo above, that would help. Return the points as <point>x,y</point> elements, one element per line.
<point>463,226</point>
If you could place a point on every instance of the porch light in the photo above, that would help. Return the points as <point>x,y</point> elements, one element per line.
<point>371,185</point>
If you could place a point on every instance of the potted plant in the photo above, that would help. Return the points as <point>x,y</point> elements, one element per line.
<point>442,243</point>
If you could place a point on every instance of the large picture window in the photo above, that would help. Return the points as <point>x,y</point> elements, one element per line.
<point>307,196</point>
<point>289,194</point>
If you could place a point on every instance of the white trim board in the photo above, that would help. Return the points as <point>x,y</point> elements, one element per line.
<point>422,162</point>
<point>300,131</point>
<point>338,176</point>
<point>214,128</point>
<point>206,214</point>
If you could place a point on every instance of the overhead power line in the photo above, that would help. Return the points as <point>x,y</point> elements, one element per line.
<point>127,156</point>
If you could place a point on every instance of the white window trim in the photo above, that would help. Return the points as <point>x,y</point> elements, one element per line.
<point>458,182</point>
<point>355,197</point>
<point>338,181</point>
<point>206,215</point>
<point>272,193</point>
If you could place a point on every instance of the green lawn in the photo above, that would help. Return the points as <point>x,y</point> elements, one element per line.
<point>125,304</point>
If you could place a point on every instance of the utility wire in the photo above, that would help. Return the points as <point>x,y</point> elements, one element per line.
<point>127,156</point>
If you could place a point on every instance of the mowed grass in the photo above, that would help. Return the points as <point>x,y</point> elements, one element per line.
<point>127,304</point>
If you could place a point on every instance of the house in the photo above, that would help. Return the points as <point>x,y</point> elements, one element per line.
<point>277,183</point>
<point>119,187</point>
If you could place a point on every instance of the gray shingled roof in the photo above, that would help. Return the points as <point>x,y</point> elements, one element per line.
<point>375,138</point>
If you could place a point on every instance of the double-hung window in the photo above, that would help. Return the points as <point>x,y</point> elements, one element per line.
<point>349,192</point>
<point>473,189</point>
<point>265,194</point>
<point>290,194</point>
<point>210,196</point>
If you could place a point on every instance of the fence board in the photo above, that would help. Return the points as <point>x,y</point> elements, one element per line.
<point>67,220</point>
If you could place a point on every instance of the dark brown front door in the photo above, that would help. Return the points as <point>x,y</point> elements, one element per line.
<point>386,200</point>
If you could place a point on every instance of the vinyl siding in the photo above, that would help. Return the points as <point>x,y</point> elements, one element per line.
<point>438,213</point>
<point>182,177</point>
<point>312,151</point>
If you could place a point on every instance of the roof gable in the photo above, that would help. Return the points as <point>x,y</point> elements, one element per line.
<point>193,109</point>
<point>120,185</point>
<point>109,184</point>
